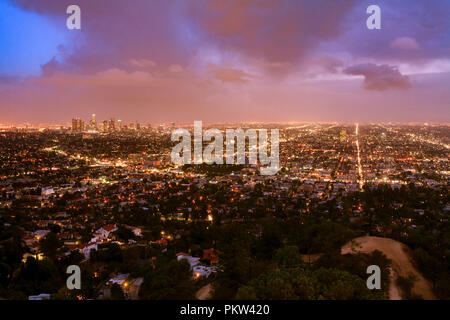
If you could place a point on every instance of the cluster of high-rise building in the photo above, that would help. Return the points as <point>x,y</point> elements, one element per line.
<point>79,125</point>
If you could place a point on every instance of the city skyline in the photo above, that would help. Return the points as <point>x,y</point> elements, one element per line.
<point>68,124</point>
<point>217,61</point>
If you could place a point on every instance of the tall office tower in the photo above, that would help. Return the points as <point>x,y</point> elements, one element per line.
<point>131,126</point>
<point>93,123</point>
<point>74,125</point>
<point>81,125</point>
<point>343,135</point>
<point>138,126</point>
<point>119,125</point>
<point>149,127</point>
<point>112,124</point>
<point>105,126</point>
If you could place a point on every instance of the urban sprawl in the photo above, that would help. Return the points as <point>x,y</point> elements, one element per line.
<point>106,196</point>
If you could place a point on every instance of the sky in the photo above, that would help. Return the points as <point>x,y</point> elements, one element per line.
<point>225,61</point>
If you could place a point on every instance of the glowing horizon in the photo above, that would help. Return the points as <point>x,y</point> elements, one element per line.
<point>225,61</point>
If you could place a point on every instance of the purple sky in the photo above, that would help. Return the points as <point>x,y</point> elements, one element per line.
<point>222,61</point>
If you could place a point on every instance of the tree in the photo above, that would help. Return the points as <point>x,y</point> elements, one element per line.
<point>124,233</point>
<point>270,240</point>
<point>49,245</point>
<point>37,276</point>
<point>12,250</point>
<point>236,259</point>
<point>169,280</point>
<point>427,264</point>
<point>117,292</point>
<point>288,256</point>
<point>406,284</point>
<point>308,284</point>
<point>5,270</point>
<point>75,257</point>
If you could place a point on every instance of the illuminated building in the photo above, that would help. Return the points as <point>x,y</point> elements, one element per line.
<point>93,123</point>
<point>77,125</point>
<point>112,125</point>
<point>74,124</point>
<point>343,135</point>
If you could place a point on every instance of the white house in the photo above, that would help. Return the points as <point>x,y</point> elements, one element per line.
<point>137,231</point>
<point>86,249</point>
<point>193,261</point>
<point>38,234</point>
<point>203,271</point>
<point>197,270</point>
<point>47,191</point>
<point>105,231</point>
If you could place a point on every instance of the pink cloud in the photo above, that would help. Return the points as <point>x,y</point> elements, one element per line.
<point>228,74</point>
<point>405,43</point>
<point>380,77</point>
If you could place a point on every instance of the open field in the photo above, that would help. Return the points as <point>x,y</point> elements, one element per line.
<point>402,263</point>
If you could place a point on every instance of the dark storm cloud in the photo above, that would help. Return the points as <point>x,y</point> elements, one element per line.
<point>167,32</point>
<point>380,77</point>
<point>115,31</point>
<point>279,31</point>
<point>276,31</point>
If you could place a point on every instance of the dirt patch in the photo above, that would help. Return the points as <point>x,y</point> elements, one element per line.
<point>204,293</point>
<point>401,266</point>
<point>311,258</point>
